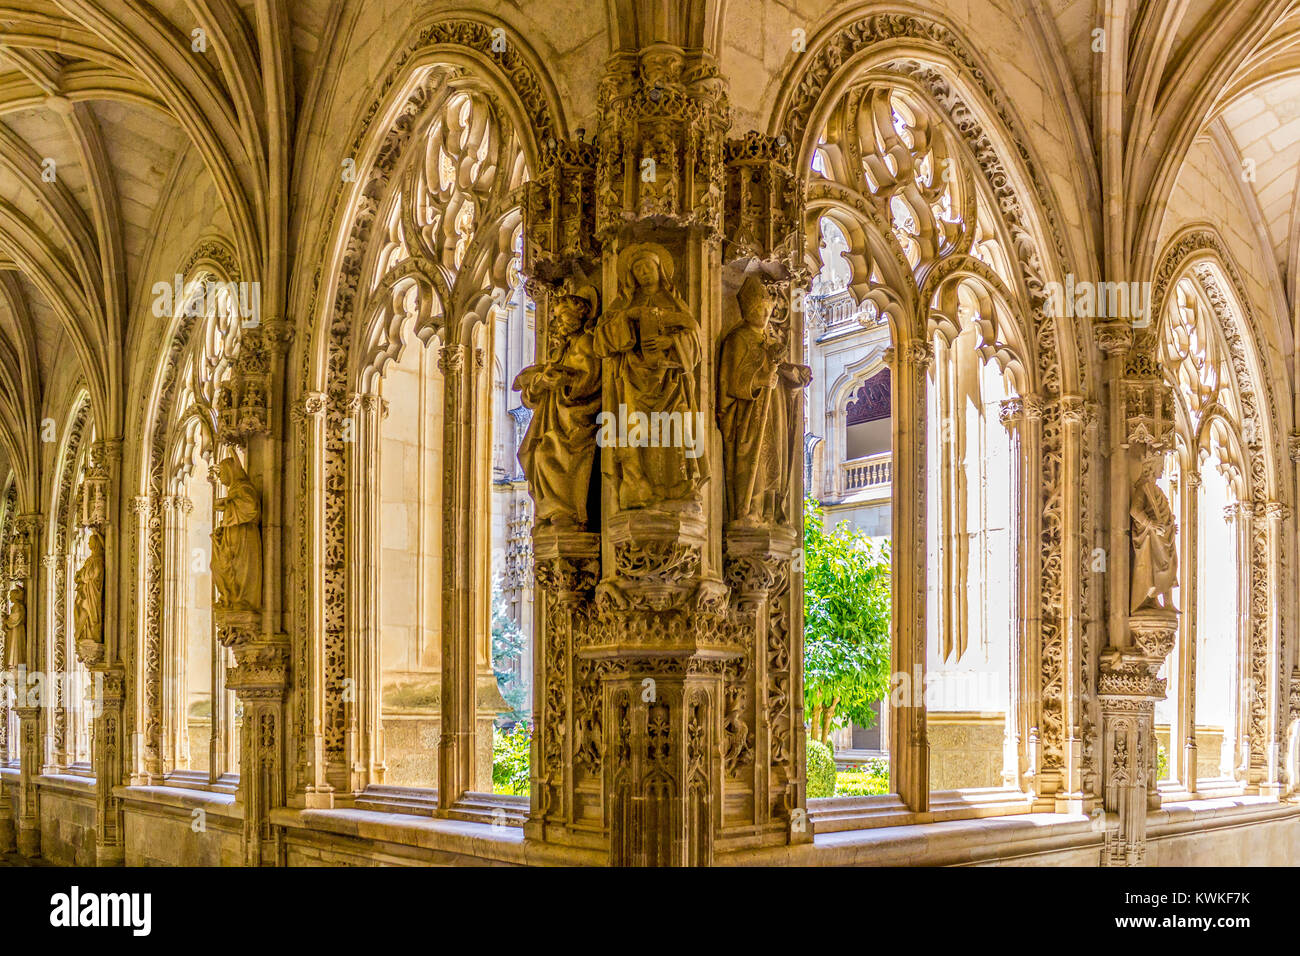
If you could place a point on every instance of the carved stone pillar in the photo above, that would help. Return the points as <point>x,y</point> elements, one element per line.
<point>363,739</point>
<point>1276,515</point>
<point>909,747</point>
<point>106,728</point>
<point>1242,517</point>
<point>1073,412</point>
<point>28,817</point>
<point>311,787</point>
<point>31,696</point>
<point>1183,759</point>
<point>1128,687</point>
<point>145,757</point>
<point>456,736</point>
<point>260,679</point>
<point>670,724</point>
<point>1015,750</point>
<point>56,750</point>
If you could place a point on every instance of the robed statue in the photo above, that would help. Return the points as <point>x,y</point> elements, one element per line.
<point>16,628</point>
<point>1153,532</point>
<point>757,392</point>
<point>88,611</point>
<point>559,448</point>
<point>651,344</point>
<point>237,541</point>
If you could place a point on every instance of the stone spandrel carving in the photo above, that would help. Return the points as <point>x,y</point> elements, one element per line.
<point>756,405</point>
<point>89,609</point>
<point>652,421</point>
<point>237,541</point>
<point>559,448</point>
<point>1152,526</point>
<point>16,628</point>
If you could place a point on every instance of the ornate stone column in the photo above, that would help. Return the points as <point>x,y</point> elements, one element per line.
<point>363,738</point>
<point>909,747</point>
<point>104,657</point>
<point>1276,514</point>
<point>459,711</point>
<point>260,679</point>
<point>669,708</point>
<point>1128,687</point>
<point>251,417</point>
<point>311,785</point>
<point>30,697</point>
<point>1184,758</point>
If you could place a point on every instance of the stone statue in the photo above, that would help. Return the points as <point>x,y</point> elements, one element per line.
<point>652,345</point>
<point>756,404</point>
<point>237,541</point>
<point>1152,527</point>
<point>16,628</point>
<point>559,447</point>
<point>88,621</point>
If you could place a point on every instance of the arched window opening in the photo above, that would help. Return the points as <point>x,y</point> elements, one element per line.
<point>511,630</point>
<point>888,147</point>
<point>411,466</point>
<point>969,556</point>
<point>1199,726</point>
<point>202,718</point>
<point>447,207</point>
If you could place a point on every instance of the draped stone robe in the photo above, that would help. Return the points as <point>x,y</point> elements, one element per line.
<point>559,448</point>
<point>649,380</point>
<point>237,549</point>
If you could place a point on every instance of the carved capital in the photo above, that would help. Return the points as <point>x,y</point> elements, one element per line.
<point>310,406</point>
<point>261,670</point>
<point>918,354</point>
<point>451,359</point>
<point>1113,338</point>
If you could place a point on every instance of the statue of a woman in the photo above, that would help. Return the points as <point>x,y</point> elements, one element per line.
<point>652,345</point>
<point>755,388</point>
<point>237,541</point>
<point>16,628</point>
<point>559,448</point>
<point>1152,527</point>
<point>88,621</point>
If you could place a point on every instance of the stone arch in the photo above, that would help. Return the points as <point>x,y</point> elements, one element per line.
<point>212,258</point>
<point>71,458</point>
<point>341,358</point>
<point>1198,252</point>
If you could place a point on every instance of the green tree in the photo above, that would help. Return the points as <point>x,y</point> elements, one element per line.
<point>846,624</point>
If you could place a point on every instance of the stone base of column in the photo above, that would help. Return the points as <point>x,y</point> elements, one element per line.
<point>1128,691</point>
<point>8,832</point>
<point>114,855</point>
<point>29,842</point>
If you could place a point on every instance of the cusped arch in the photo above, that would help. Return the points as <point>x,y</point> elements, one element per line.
<point>933,61</point>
